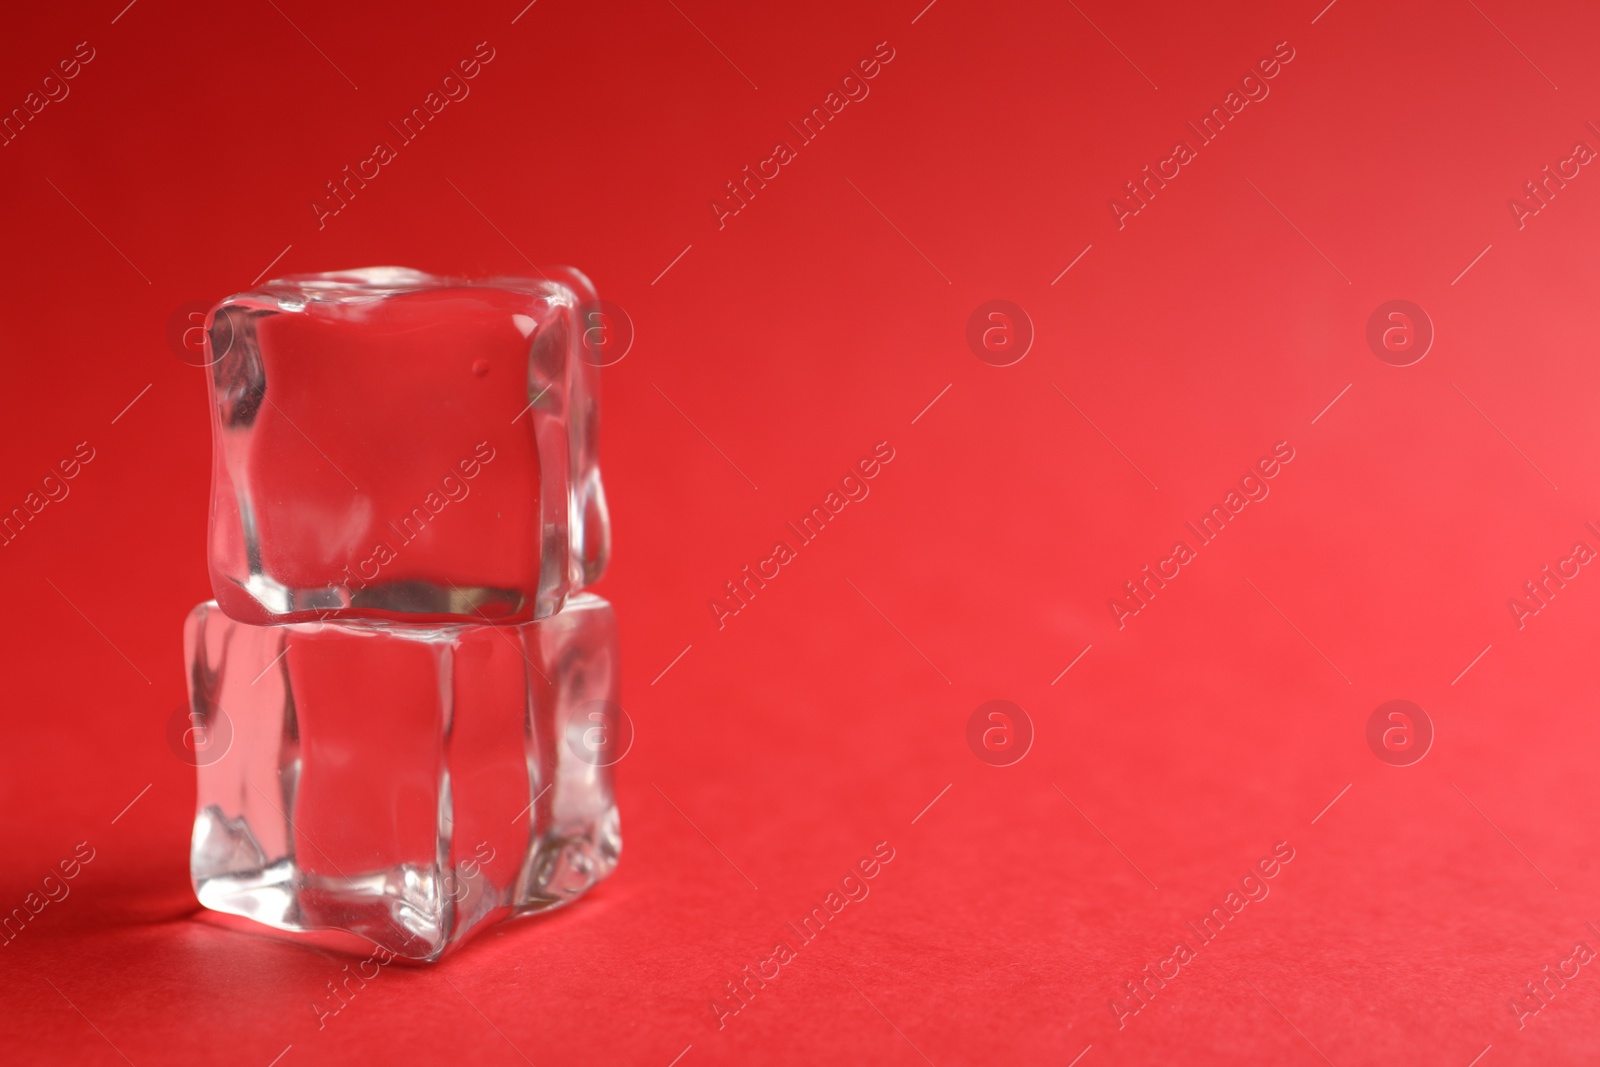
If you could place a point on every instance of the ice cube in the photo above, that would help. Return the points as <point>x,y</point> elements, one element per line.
<point>405,784</point>
<point>393,445</point>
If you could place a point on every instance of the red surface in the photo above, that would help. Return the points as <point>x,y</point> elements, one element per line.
<point>829,712</point>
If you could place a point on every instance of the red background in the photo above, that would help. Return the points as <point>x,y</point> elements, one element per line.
<point>825,716</point>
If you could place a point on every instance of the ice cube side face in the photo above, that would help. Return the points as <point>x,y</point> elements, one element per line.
<point>407,785</point>
<point>392,445</point>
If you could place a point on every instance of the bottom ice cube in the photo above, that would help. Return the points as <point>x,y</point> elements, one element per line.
<point>405,784</point>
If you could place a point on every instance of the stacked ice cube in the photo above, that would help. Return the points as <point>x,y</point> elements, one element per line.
<point>405,508</point>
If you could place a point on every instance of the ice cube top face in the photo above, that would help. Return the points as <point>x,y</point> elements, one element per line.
<point>393,445</point>
<point>403,785</point>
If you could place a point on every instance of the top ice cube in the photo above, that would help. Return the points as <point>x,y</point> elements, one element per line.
<point>393,445</point>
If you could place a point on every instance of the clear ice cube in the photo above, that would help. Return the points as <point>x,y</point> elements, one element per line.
<point>404,784</point>
<point>393,445</point>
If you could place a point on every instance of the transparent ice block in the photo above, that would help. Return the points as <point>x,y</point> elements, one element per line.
<point>405,784</point>
<point>393,445</point>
